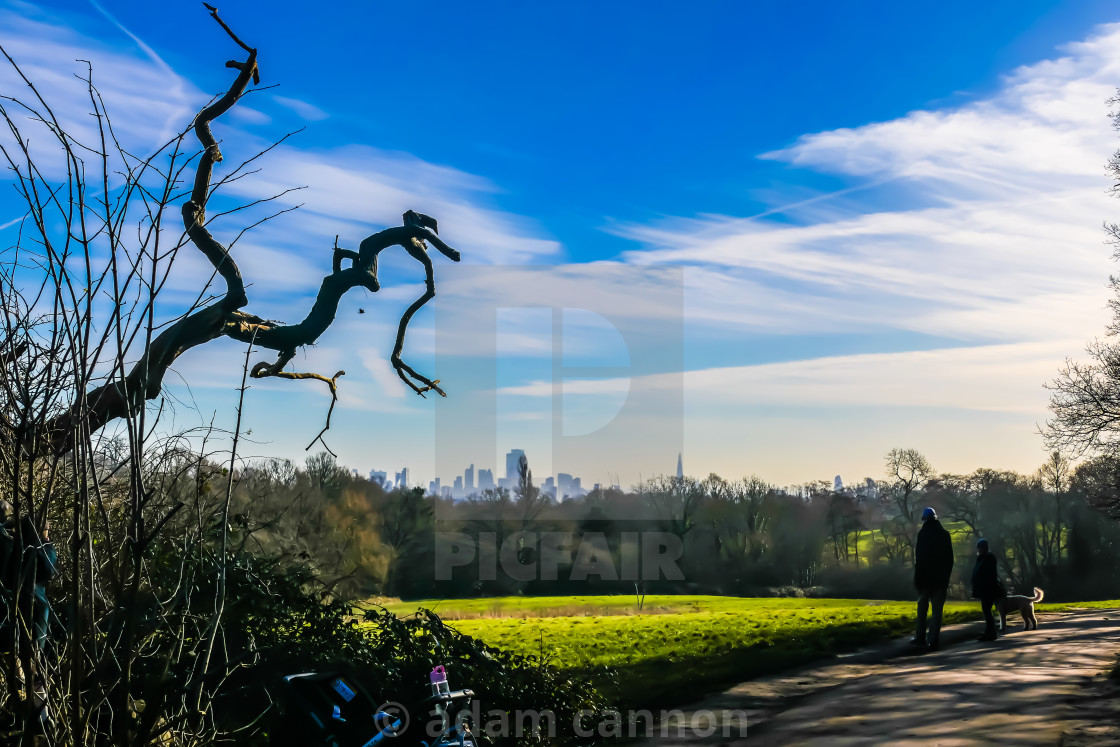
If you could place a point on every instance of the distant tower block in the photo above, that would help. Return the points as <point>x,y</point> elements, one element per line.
<point>680,466</point>
<point>838,484</point>
<point>513,460</point>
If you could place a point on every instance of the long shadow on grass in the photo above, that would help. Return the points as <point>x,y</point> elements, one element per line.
<point>664,682</point>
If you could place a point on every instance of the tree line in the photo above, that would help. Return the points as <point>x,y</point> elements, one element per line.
<point>737,537</point>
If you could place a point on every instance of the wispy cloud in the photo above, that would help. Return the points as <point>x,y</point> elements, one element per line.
<point>351,191</point>
<point>303,109</point>
<point>149,101</point>
<point>354,190</point>
<point>977,225</point>
<point>1000,240</point>
<point>996,378</point>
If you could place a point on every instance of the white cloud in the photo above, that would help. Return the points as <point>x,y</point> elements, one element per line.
<point>383,374</point>
<point>990,235</point>
<point>150,103</point>
<point>356,190</point>
<point>353,190</point>
<point>303,109</point>
<point>1001,241</point>
<point>995,378</point>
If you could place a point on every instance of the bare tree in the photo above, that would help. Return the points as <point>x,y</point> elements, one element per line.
<point>1097,481</point>
<point>959,498</point>
<point>674,501</point>
<point>1085,396</point>
<point>1054,476</point>
<point>73,205</point>
<point>909,472</point>
<point>1085,400</point>
<point>739,516</point>
<point>141,524</point>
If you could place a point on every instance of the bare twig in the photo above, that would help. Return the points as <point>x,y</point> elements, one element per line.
<point>262,370</point>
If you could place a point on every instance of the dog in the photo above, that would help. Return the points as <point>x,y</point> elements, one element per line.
<point>1025,605</point>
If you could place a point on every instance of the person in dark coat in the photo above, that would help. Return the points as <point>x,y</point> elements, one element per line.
<point>46,568</point>
<point>933,567</point>
<point>40,562</point>
<point>986,587</point>
<point>9,568</point>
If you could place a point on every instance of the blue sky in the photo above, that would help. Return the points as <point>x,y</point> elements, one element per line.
<point>877,224</point>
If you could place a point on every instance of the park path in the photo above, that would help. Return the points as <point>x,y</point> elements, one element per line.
<point>1044,687</point>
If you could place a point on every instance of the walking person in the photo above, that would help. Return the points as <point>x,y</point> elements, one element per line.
<point>986,587</point>
<point>933,568</point>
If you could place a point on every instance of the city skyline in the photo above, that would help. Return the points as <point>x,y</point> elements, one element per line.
<point>557,486</point>
<point>554,485</point>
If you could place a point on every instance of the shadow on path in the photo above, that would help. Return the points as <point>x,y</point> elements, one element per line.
<point>1027,688</point>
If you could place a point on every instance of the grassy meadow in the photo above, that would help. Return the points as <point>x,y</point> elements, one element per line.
<point>676,646</point>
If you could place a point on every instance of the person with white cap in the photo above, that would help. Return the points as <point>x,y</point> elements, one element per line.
<point>933,568</point>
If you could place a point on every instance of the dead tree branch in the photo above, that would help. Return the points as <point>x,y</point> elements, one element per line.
<point>124,396</point>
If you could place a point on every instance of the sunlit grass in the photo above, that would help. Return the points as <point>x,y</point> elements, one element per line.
<point>575,606</point>
<point>1070,606</point>
<point>678,647</point>
<point>691,643</point>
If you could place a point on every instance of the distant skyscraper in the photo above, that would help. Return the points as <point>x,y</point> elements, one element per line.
<point>402,478</point>
<point>486,479</point>
<point>433,487</point>
<point>468,478</point>
<point>680,466</point>
<point>513,458</point>
<point>458,489</point>
<point>445,491</point>
<point>378,477</point>
<point>838,484</point>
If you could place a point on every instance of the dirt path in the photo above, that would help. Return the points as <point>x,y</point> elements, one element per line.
<point>1043,687</point>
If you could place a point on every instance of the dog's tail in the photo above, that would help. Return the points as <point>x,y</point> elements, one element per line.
<point>1037,595</point>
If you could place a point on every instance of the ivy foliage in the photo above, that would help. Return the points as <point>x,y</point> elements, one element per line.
<point>273,625</point>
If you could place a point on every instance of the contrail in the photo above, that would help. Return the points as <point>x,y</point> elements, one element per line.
<point>175,90</point>
<point>12,222</point>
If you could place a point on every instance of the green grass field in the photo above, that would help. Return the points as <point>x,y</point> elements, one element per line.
<point>678,646</point>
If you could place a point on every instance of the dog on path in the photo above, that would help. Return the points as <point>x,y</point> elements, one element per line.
<point>1025,606</point>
